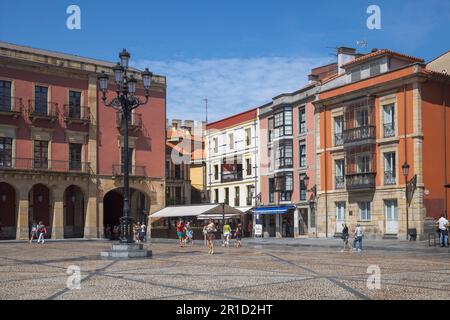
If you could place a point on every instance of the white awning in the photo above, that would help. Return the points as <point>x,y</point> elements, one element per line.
<point>218,216</point>
<point>244,209</point>
<point>196,210</point>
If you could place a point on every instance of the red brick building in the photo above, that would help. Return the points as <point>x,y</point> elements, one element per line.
<point>60,147</point>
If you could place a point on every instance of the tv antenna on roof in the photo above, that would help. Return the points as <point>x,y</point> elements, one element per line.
<point>362,43</point>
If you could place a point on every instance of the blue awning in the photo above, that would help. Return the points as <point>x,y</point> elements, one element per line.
<point>273,210</point>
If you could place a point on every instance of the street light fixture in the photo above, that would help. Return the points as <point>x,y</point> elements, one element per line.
<point>125,102</point>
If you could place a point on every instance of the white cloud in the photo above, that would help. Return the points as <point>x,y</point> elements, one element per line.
<point>231,85</point>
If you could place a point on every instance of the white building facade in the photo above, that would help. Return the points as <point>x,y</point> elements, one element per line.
<point>232,159</point>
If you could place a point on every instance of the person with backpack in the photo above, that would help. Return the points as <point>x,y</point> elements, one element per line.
<point>345,236</point>
<point>358,238</point>
<point>42,231</point>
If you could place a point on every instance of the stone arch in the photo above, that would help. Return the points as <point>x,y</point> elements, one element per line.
<point>8,205</point>
<point>74,212</point>
<point>113,205</point>
<point>40,205</point>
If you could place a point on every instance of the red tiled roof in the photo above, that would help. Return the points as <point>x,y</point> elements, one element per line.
<point>380,53</point>
<point>234,120</point>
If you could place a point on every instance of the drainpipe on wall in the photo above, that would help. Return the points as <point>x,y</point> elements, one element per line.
<point>444,102</point>
<point>326,173</point>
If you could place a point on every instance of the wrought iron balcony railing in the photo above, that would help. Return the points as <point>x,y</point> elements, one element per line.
<point>340,182</point>
<point>134,123</point>
<point>74,113</point>
<point>43,110</point>
<point>359,134</point>
<point>389,130</point>
<point>390,178</point>
<point>231,177</point>
<point>338,139</point>
<point>44,165</point>
<point>10,105</point>
<point>357,181</point>
<point>137,171</point>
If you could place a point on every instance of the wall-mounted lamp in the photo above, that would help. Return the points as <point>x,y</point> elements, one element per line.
<point>40,197</point>
<point>73,199</point>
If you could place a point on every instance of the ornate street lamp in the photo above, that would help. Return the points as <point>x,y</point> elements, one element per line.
<point>125,102</point>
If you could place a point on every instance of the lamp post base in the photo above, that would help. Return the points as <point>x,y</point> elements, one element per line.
<point>125,251</point>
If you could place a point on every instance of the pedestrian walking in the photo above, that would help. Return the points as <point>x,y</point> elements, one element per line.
<point>226,234</point>
<point>42,231</point>
<point>210,229</point>
<point>443,231</point>
<point>189,234</point>
<point>345,236</point>
<point>180,232</point>
<point>205,234</point>
<point>238,236</point>
<point>33,233</point>
<point>143,233</point>
<point>358,238</point>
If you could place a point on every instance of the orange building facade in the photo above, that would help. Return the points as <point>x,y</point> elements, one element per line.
<point>383,113</point>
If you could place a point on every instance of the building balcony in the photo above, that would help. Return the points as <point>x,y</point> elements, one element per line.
<point>389,130</point>
<point>10,106</point>
<point>359,136</point>
<point>338,139</point>
<point>175,201</point>
<point>389,178</point>
<point>76,114</point>
<point>232,177</point>
<point>360,181</point>
<point>45,165</point>
<point>136,171</point>
<point>340,183</point>
<point>43,110</point>
<point>134,123</point>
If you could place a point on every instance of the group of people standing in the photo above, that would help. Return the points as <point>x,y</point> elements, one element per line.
<point>185,234</point>
<point>357,238</point>
<point>139,232</point>
<point>38,231</point>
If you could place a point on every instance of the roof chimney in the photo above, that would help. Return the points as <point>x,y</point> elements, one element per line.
<point>313,78</point>
<point>345,55</point>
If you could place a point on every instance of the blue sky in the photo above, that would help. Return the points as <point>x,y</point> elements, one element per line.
<point>239,53</point>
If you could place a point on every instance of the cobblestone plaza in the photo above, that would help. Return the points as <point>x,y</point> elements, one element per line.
<point>257,272</point>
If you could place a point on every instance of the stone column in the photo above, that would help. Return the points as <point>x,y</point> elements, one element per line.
<point>93,223</point>
<point>58,214</point>
<point>278,232</point>
<point>22,208</point>
<point>296,218</point>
